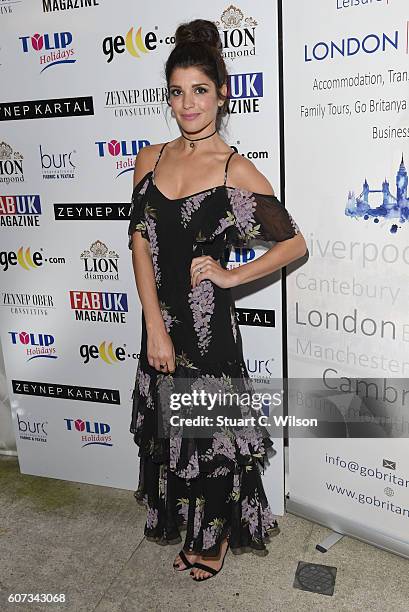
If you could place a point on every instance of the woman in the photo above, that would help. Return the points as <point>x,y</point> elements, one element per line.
<point>193,198</point>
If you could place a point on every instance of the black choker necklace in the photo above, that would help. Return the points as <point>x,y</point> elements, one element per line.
<point>192,142</point>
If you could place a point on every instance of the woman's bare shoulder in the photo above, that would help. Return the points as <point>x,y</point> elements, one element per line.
<point>243,174</point>
<point>145,161</point>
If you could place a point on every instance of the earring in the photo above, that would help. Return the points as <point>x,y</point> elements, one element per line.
<point>172,113</point>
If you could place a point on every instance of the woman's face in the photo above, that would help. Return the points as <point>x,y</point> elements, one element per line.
<point>193,98</point>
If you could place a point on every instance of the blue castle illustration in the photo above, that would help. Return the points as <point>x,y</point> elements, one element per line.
<point>392,207</point>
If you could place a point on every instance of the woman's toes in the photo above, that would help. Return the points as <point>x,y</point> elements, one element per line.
<point>178,563</point>
<point>199,574</point>
<point>191,557</point>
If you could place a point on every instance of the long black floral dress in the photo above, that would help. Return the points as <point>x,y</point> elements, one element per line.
<point>211,486</point>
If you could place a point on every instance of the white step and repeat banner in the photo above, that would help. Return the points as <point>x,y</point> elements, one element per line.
<point>83,91</point>
<point>346,66</point>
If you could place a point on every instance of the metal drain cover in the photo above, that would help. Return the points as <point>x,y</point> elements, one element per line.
<point>315,578</point>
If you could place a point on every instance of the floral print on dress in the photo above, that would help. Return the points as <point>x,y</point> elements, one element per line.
<point>233,323</point>
<point>206,237</point>
<point>144,380</point>
<point>267,520</point>
<point>234,494</point>
<point>243,204</point>
<point>183,504</point>
<point>249,514</point>
<point>142,227</point>
<point>190,205</point>
<point>192,469</point>
<point>247,437</point>
<point>183,360</point>
<point>223,445</point>
<point>199,511</point>
<point>152,518</point>
<point>164,388</point>
<point>210,533</point>
<point>136,213</point>
<point>154,247</point>
<point>222,470</point>
<point>201,301</point>
<point>163,479</point>
<point>293,223</point>
<point>144,186</point>
<point>225,222</point>
<point>212,384</point>
<point>168,319</point>
<point>175,444</point>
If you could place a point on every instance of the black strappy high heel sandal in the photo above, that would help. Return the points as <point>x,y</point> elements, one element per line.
<point>185,560</point>
<point>209,569</point>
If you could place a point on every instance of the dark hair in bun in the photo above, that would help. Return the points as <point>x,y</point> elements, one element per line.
<point>198,43</point>
<point>199,30</point>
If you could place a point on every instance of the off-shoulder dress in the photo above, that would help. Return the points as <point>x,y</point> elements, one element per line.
<point>212,485</point>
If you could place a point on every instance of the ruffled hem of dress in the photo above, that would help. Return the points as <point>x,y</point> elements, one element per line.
<point>247,522</point>
<point>252,548</point>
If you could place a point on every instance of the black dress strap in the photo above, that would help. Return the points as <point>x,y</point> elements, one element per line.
<point>227,165</point>
<point>159,156</point>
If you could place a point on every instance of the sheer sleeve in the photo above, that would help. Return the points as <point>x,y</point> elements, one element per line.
<point>137,220</point>
<point>260,217</point>
<point>276,223</point>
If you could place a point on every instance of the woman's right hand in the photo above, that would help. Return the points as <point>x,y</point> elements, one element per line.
<point>160,350</point>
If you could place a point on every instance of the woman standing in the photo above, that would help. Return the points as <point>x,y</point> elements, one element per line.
<point>193,198</point>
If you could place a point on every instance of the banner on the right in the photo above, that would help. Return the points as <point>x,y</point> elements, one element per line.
<point>346,121</point>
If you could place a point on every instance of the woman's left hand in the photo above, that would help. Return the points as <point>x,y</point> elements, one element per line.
<point>207,267</point>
